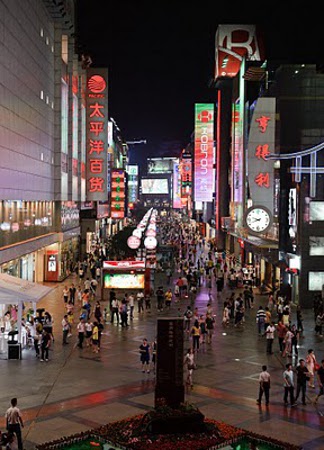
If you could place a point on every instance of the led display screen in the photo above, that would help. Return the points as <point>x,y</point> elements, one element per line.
<point>124,281</point>
<point>155,186</point>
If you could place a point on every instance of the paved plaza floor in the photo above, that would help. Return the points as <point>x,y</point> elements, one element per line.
<point>78,390</point>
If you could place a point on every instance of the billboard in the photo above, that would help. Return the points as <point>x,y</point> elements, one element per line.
<point>204,152</point>
<point>117,194</point>
<point>261,144</point>
<point>176,186</point>
<point>97,134</point>
<point>160,165</point>
<point>155,186</point>
<point>233,44</point>
<point>124,280</point>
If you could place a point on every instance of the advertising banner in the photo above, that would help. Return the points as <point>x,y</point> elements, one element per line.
<point>97,134</point>
<point>204,152</point>
<point>117,194</point>
<point>233,43</point>
<point>261,144</point>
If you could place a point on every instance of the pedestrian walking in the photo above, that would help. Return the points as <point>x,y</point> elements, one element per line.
<point>288,342</point>
<point>302,375</point>
<point>154,350</point>
<point>320,379</point>
<point>270,333</point>
<point>72,292</point>
<point>88,332</point>
<point>45,345</point>
<point>195,334</point>
<point>66,293</point>
<point>65,329</point>
<point>131,303</point>
<point>14,421</point>
<point>281,333</point>
<point>187,318</point>
<point>140,301</point>
<point>97,311</point>
<point>289,385</point>
<point>81,332</point>
<point>159,297</point>
<point>95,338</point>
<point>260,319</point>
<point>264,388</point>
<point>114,310</point>
<point>189,362</point>
<point>311,364</point>
<point>123,312</point>
<point>210,321</point>
<point>144,350</point>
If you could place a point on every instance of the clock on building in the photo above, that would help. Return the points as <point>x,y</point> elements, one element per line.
<point>258,219</point>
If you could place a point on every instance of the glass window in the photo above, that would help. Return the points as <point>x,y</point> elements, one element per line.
<point>315,281</point>
<point>316,246</point>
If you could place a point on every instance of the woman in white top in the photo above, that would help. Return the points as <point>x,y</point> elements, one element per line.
<point>189,361</point>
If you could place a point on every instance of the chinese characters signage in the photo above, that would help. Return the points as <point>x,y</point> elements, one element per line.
<point>97,135</point>
<point>261,145</point>
<point>233,44</point>
<point>204,152</point>
<point>117,194</point>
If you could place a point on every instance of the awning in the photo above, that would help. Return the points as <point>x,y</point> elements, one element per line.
<point>14,290</point>
<point>257,241</point>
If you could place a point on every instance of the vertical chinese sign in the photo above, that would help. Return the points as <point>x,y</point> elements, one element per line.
<point>117,194</point>
<point>261,144</point>
<point>97,145</point>
<point>204,152</point>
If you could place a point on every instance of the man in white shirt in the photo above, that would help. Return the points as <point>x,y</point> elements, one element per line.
<point>289,385</point>
<point>81,331</point>
<point>131,305</point>
<point>264,381</point>
<point>114,310</point>
<point>270,331</point>
<point>140,301</point>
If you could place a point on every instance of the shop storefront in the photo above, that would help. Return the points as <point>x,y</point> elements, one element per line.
<point>23,267</point>
<point>60,259</point>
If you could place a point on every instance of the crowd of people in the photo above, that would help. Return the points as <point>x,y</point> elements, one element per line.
<point>195,264</point>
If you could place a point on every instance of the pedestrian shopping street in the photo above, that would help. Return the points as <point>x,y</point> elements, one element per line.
<point>78,390</point>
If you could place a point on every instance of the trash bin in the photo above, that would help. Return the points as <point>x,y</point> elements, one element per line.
<point>14,351</point>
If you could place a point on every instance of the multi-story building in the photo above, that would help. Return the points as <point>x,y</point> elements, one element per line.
<point>42,141</point>
<point>276,215</point>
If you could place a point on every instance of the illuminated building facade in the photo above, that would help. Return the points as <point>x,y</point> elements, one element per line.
<point>41,139</point>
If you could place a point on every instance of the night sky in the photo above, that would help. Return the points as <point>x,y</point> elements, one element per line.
<point>160,56</point>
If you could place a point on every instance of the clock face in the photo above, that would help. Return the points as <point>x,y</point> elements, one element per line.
<point>258,219</point>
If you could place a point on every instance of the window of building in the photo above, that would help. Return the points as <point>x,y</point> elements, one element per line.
<point>316,246</point>
<point>65,53</point>
<point>315,281</point>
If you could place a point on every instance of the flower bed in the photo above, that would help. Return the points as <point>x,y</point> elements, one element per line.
<point>133,434</point>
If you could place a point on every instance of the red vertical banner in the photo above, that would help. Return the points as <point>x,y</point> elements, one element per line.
<point>97,135</point>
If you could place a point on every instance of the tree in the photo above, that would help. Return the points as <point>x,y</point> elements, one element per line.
<point>119,248</point>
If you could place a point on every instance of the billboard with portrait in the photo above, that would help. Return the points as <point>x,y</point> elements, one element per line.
<point>155,186</point>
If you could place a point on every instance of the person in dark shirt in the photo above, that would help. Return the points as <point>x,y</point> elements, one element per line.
<point>320,377</point>
<point>302,375</point>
